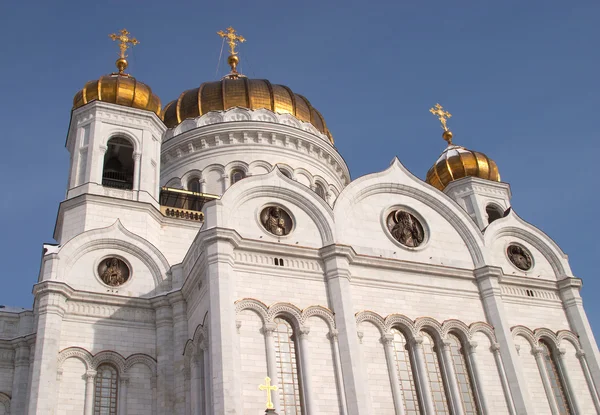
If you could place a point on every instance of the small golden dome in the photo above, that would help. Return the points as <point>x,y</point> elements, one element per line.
<point>240,91</point>
<point>119,89</point>
<point>457,162</point>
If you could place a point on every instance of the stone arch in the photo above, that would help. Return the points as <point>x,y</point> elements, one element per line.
<point>319,311</point>
<point>255,305</point>
<point>373,318</point>
<point>526,333</point>
<point>287,169</point>
<point>547,335</point>
<point>109,357</point>
<point>190,175</point>
<point>402,323</point>
<point>142,359</point>
<point>570,337</point>
<point>485,328</point>
<point>5,401</point>
<point>175,183</point>
<point>296,194</point>
<point>76,353</point>
<point>431,326</point>
<point>514,226</point>
<point>119,132</point>
<point>288,311</point>
<point>398,180</point>
<point>456,327</point>
<point>114,236</point>
<point>260,164</point>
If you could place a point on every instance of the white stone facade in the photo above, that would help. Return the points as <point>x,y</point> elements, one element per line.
<point>193,331</point>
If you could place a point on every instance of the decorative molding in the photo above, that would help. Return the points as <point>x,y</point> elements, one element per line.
<point>113,312</point>
<point>555,339</point>
<point>92,362</point>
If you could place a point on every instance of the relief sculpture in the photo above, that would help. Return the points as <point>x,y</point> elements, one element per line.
<point>405,228</point>
<point>276,220</point>
<point>520,257</point>
<point>113,272</point>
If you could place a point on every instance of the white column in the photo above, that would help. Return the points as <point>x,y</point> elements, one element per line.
<point>164,354</point>
<point>336,261</point>
<point>456,401</point>
<point>197,389</point>
<point>154,386</point>
<point>488,280</point>
<point>206,381</point>
<point>588,379</point>
<point>538,352</point>
<point>416,346</point>
<point>333,337</point>
<point>137,166</point>
<point>268,330</point>
<point>226,182</point>
<point>88,407</point>
<point>180,337</point>
<point>306,370</point>
<point>50,310</point>
<point>573,305</point>
<point>495,348</point>
<point>388,344</point>
<point>99,163</point>
<point>476,377</point>
<point>564,372</point>
<point>123,384</point>
<point>20,378</point>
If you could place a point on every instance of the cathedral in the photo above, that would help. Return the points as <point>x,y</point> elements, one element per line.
<point>213,257</point>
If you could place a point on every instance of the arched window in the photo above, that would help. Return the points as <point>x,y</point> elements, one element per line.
<point>556,382</point>
<point>118,164</point>
<point>493,213</point>
<point>320,190</point>
<point>193,185</point>
<point>436,383</point>
<point>465,384</point>
<point>286,173</point>
<point>405,374</point>
<point>105,393</point>
<point>237,175</point>
<point>287,368</point>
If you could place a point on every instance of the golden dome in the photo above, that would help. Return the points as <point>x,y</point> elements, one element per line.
<point>457,162</point>
<point>120,89</point>
<point>233,91</point>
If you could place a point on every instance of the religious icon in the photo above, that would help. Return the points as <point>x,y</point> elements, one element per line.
<point>276,220</point>
<point>520,257</point>
<point>405,228</point>
<point>113,272</point>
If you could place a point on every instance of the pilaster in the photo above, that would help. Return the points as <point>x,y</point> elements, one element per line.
<point>488,280</point>
<point>180,336</point>
<point>336,260</point>
<point>164,356</point>
<point>20,378</point>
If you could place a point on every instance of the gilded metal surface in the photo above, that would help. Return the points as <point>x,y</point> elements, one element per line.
<point>125,42</point>
<point>442,115</point>
<point>268,388</point>
<point>242,92</point>
<point>119,89</point>
<point>457,162</point>
<point>232,40</point>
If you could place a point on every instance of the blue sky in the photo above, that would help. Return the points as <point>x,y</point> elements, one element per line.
<point>520,78</point>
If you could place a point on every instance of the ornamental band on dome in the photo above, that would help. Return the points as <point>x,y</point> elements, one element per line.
<point>215,258</point>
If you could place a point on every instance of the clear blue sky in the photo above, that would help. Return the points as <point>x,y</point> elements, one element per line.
<point>520,77</point>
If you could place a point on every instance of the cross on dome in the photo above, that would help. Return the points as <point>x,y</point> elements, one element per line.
<point>443,116</point>
<point>232,39</point>
<point>125,43</point>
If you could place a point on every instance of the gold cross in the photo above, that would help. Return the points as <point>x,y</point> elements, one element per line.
<point>442,115</point>
<point>232,38</point>
<point>267,387</point>
<point>125,40</point>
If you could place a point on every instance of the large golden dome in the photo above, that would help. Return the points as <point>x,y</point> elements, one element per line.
<point>119,89</point>
<point>457,162</point>
<point>233,91</point>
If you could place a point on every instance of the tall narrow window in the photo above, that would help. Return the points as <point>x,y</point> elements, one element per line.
<point>118,164</point>
<point>287,367</point>
<point>405,374</point>
<point>436,383</point>
<point>558,388</point>
<point>320,190</point>
<point>194,185</point>
<point>105,394</point>
<point>193,203</point>
<point>237,175</point>
<point>467,396</point>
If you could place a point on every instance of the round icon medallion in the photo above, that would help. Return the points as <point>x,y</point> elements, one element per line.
<point>276,220</point>
<point>405,228</point>
<point>520,257</point>
<point>113,271</point>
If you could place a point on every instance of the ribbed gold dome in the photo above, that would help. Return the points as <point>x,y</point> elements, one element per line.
<point>457,162</point>
<point>242,92</point>
<point>121,90</point>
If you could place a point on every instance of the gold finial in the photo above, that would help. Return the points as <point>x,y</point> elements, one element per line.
<point>232,40</point>
<point>267,387</point>
<point>443,116</point>
<point>126,42</point>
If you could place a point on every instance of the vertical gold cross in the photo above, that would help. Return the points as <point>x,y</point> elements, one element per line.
<point>125,40</point>
<point>232,38</point>
<point>267,387</point>
<point>442,115</point>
